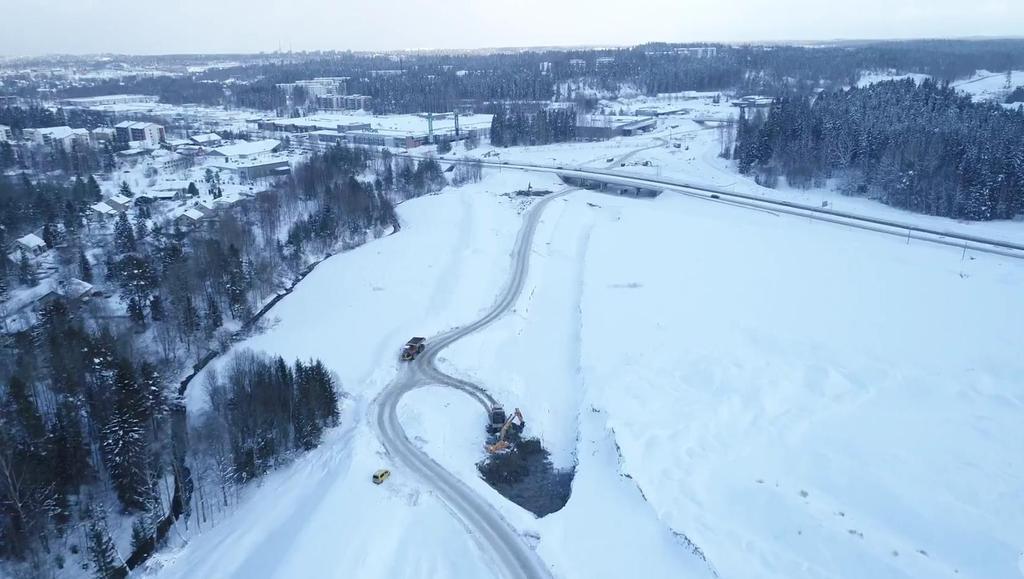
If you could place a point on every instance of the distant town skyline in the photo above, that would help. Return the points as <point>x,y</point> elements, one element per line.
<point>34,27</point>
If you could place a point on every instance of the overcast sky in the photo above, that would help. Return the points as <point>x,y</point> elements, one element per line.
<point>180,26</point>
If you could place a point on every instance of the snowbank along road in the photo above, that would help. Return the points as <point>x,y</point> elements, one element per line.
<point>511,555</point>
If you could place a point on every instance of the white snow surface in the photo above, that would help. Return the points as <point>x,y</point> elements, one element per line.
<point>989,86</point>
<point>795,398</point>
<point>798,399</point>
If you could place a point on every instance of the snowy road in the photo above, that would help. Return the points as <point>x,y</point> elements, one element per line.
<point>510,553</point>
<point>607,176</point>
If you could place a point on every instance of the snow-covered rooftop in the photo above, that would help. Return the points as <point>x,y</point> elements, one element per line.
<point>247,148</point>
<point>135,125</point>
<point>56,132</point>
<point>102,208</point>
<point>194,214</point>
<point>206,138</point>
<point>32,240</point>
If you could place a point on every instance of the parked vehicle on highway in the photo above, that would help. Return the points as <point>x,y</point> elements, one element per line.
<point>414,347</point>
<point>381,475</point>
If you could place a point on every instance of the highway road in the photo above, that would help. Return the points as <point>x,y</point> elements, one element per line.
<point>718,195</point>
<point>509,552</point>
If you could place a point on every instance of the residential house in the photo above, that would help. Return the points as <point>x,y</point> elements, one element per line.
<point>31,244</point>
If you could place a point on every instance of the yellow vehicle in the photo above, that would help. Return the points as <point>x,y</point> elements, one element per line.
<point>381,476</point>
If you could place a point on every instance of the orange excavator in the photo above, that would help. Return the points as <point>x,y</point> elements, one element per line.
<point>502,444</point>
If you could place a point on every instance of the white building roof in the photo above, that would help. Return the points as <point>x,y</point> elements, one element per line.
<point>206,138</point>
<point>32,240</point>
<point>102,208</point>
<point>135,125</point>
<point>121,199</point>
<point>248,148</point>
<point>75,288</point>
<point>56,132</point>
<point>193,214</point>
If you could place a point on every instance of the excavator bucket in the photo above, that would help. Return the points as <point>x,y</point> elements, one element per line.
<point>497,447</point>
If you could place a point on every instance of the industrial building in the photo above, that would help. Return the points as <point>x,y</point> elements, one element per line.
<point>319,141</point>
<point>600,127</point>
<point>309,124</point>
<point>753,102</point>
<point>112,99</point>
<point>246,149</point>
<point>253,169</point>
<point>403,131</point>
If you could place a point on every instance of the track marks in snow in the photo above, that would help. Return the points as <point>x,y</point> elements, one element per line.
<point>822,515</point>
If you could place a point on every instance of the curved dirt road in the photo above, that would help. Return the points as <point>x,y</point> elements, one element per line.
<point>512,557</point>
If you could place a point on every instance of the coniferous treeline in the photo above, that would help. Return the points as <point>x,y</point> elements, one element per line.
<point>265,409</point>
<point>26,206</point>
<point>923,147</point>
<point>78,413</point>
<point>514,126</point>
<point>439,82</point>
<point>87,404</point>
<point>32,117</point>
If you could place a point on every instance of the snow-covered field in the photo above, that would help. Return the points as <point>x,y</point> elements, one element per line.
<point>740,393</point>
<point>990,86</point>
<point>807,401</point>
<point>796,399</point>
<point>983,85</point>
